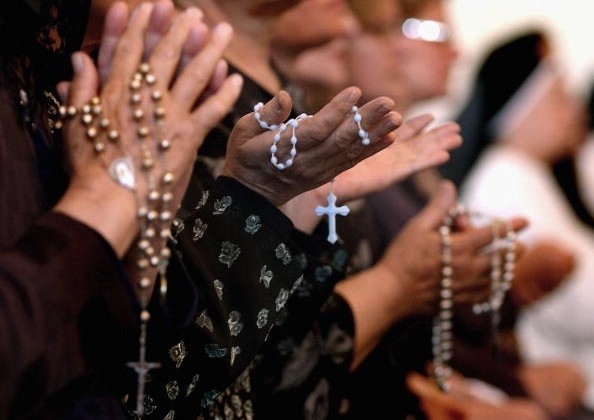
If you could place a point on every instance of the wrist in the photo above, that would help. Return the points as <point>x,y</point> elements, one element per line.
<point>107,208</point>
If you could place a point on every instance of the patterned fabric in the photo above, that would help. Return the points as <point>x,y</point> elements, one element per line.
<point>242,289</point>
<point>218,368</point>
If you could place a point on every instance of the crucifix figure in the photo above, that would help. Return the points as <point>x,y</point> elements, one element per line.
<point>331,211</point>
<point>141,368</point>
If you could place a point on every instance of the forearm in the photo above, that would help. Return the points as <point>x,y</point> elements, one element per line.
<point>373,296</point>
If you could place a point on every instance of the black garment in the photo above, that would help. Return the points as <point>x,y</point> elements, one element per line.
<point>259,265</point>
<point>406,346</point>
<point>58,279</point>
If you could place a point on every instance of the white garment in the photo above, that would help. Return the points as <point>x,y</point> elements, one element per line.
<point>560,326</point>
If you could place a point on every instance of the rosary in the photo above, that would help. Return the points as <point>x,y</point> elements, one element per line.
<point>504,240</point>
<point>331,210</point>
<point>154,211</point>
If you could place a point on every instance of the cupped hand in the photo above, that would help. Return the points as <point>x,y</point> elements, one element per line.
<point>413,151</point>
<point>328,144</point>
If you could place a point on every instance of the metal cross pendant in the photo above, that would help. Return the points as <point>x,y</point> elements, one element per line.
<point>142,367</point>
<point>331,211</point>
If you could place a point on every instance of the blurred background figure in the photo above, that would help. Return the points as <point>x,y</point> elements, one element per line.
<point>523,129</point>
<point>379,58</point>
<point>586,157</point>
<point>386,56</point>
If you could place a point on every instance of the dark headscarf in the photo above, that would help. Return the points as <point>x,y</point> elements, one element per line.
<point>38,37</point>
<point>46,32</point>
<point>499,77</point>
<point>503,72</point>
<point>566,175</point>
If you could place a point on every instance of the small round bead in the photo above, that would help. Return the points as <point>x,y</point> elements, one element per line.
<point>145,315</point>
<point>168,178</point>
<point>144,68</point>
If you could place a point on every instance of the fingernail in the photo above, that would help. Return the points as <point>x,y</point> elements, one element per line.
<point>193,12</point>
<point>223,29</point>
<point>277,102</point>
<point>353,95</point>
<point>392,125</point>
<point>446,190</point>
<point>236,79</point>
<point>142,8</point>
<point>77,62</point>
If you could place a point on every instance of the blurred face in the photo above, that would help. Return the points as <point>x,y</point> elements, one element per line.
<point>314,22</point>
<point>409,68</point>
<point>268,7</point>
<point>554,127</point>
<point>309,43</point>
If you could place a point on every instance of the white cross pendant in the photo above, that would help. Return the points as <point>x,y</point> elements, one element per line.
<point>331,211</point>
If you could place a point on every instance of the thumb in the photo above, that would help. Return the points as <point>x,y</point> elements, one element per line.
<point>85,81</point>
<point>63,90</point>
<point>273,112</point>
<point>438,207</point>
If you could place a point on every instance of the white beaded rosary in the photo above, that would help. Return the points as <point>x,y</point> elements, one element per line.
<point>331,210</point>
<point>154,209</point>
<point>442,339</point>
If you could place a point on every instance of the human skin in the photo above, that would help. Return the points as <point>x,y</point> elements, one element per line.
<point>93,198</point>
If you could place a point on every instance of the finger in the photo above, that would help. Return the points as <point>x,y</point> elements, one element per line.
<point>274,111</point>
<point>447,136</point>
<point>431,160</point>
<point>475,268</point>
<point>324,123</point>
<point>436,210</point>
<point>216,81</point>
<point>129,49</point>
<point>194,43</point>
<point>343,161</point>
<point>197,74</point>
<point>476,238</point>
<point>517,224</point>
<point>85,80</point>
<point>63,89</point>
<point>158,25</point>
<point>168,51</point>
<point>413,126</point>
<point>115,24</point>
<point>479,293</point>
<point>379,120</point>
<point>344,148</point>
<point>216,106</point>
<point>372,114</point>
